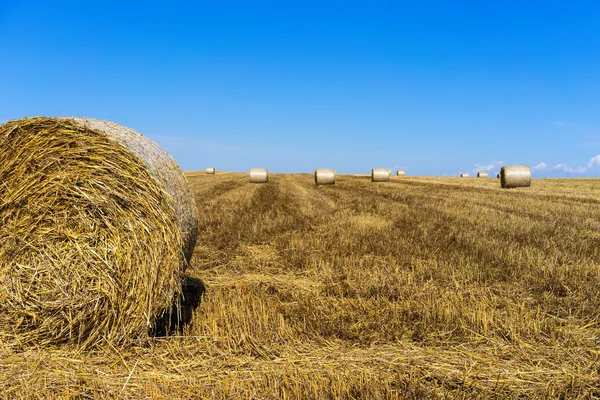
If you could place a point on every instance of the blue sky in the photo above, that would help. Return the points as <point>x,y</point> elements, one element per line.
<point>436,88</point>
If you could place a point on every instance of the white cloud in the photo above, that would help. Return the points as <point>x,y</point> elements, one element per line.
<point>543,168</point>
<point>562,167</point>
<point>572,170</point>
<point>489,167</point>
<point>594,162</point>
<point>486,167</point>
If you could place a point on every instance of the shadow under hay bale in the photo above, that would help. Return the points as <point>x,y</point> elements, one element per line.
<point>174,320</point>
<point>98,226</point>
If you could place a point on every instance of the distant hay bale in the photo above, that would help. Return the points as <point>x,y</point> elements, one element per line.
<point>464,175</point>
<point>259,175</point>
<point>324,176</point>
<point>98,225</point>
<point>400,173</point>
<point>210,171</point>
<point>497,176</point>
<point>515,176</point>
<point>482,175</point>
<point>380,175</point>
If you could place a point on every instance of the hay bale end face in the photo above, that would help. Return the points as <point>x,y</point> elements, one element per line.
<point>210,171</point>
<point>259,175</point>
<point>515,176</point>
<point>324,176</point>
<point>482,175</point>
<point>464,175</point>
<point>380,175</point>
<point>400,173</point>
<point>497,176</point>
<point>106,220</point>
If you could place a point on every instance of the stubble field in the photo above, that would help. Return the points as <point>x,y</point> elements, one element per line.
<point>414,288</point>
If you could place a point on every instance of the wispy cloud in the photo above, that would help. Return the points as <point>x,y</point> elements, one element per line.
<point>580,170</point>
<point>542,167</point>
<point>562,167</point>
<point>594,162</point>
<point>485,168</point>
<point>489,167</point>
<point>568,169</point>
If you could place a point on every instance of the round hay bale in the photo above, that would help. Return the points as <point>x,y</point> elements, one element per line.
<point>259,175</point>
<point>400,173</point>
<point>515,176</point>
<point>482,175</point>
<point>464,175</point>
<point>324,176</point>
<point>380,175</point>
<point>497,176</point>
<point>210,171</point>
<point>98,225</point>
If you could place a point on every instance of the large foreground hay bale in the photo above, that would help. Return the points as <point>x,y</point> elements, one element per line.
<point>259,175</point>
<point>324,176</point>
<point>210,171</point>
<point>400,173</point>
<point>482,175</point>
<point>514,176</point>
<point>380,175</point>
<point>97,225</point>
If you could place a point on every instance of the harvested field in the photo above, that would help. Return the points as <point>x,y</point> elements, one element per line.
<point>413,288</point>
